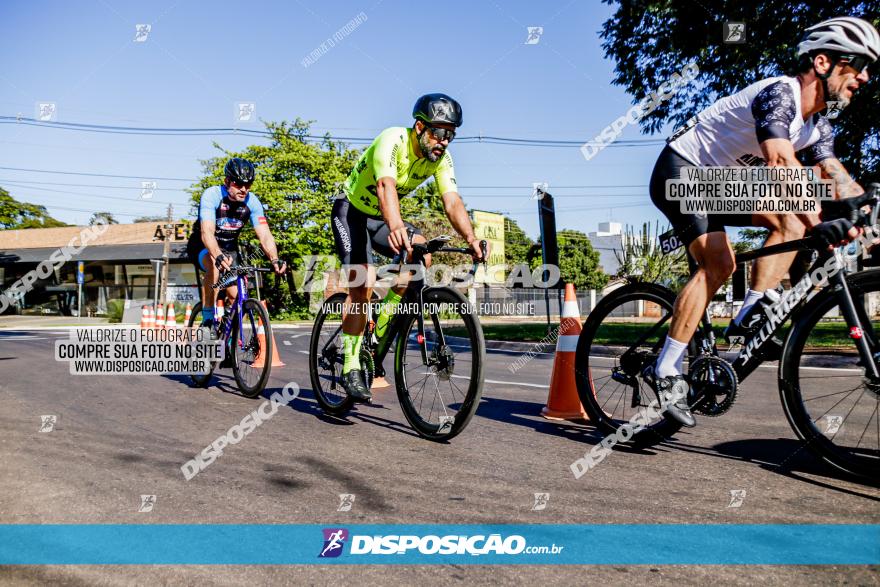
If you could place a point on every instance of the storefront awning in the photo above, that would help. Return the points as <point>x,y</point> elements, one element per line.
<point>115,253</point>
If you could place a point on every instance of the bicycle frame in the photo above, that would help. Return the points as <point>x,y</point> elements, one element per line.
<point>832,265</point>
<point>241,284</point>
<point>413,293</point>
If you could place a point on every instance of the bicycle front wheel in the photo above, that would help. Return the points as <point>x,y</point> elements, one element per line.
<point>828,399</point>
<point>251,348</point>
<point>439,391</point>
<point>621,336</point>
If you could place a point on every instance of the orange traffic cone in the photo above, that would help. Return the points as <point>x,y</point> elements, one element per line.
<point>160,318</point>
<point>261,337</point>
<point>188,314</point>
<point>563,402</point>
<point>170,318</point>
<point>145,317</point>
<point>151,318</point>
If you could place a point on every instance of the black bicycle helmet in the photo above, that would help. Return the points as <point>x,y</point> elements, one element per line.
<point>437,108</point>
<point>240,170</point>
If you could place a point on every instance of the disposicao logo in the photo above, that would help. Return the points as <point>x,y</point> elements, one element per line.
<point>334,540</point>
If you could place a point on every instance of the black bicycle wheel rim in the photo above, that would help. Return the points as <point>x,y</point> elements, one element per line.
<point>326,383</point>
<point>819,404</point>
<point>592,356</point>
<point>453,389</point>
<point>194,318</point>
<point>250,377</point>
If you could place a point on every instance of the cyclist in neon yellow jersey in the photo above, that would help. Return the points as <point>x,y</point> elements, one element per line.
<point>367,215</point>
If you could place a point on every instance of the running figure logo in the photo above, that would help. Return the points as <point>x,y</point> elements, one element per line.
<point>734,33</point>
<point>47,423</point>
<point>736,498</point>
<point>541,500</point>
<point>833,424</point>
<point>334,540</point>
<point>535,33</point>
<point>141,32</point>
<point>346,500</point>
<point>147,503</point>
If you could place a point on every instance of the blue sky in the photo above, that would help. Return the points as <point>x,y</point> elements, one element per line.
<point>200,58</point>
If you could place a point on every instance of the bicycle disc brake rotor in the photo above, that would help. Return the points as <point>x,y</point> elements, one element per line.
<point>443,360</point>
<point>714,381</point>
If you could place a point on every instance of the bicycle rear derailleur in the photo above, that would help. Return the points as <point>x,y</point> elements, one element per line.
<point>714,384</point>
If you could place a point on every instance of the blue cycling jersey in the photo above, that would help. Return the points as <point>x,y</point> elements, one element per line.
<point>228,216</point>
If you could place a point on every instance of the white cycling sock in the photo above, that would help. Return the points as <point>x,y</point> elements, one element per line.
<point>752,298</point>
<point>671,357</point>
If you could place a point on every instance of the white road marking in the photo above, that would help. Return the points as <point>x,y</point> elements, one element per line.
<point>506,382</point>
<point>286,342</point>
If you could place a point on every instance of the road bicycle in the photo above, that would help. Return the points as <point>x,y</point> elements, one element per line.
<point>438,377</point>
<point>246,333</point>
<point>829,363</point>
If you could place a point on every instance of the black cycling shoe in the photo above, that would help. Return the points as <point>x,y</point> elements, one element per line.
<point>353,383</point>
<point>672,391</point>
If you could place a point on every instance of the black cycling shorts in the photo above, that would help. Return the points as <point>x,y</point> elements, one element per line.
<point>357,234</point>
<point>687,226</point>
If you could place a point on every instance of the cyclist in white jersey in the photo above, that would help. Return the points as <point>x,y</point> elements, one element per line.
<point>780,121</point>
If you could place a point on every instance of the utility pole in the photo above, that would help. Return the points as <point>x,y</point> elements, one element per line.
<point>166,250</point>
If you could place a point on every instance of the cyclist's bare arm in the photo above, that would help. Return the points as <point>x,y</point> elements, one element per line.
<point>267,241</point>
<point>780,153</point>
<point>846,186</point>
<point>210,242</point>
<point>389,206</point>
<point>458,216</point>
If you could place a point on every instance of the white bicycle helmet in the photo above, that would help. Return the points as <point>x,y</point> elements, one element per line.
<point>845,35</point>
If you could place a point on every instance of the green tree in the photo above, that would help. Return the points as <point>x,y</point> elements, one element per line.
<point>578,261</point>
<point>296,181</point>
<point>158,218</point>
<point>749,238</point>
<point>15,214</point>
<point>102,218</point>
<point>650,40</point>
<point>642,259</point>
<point>516,243</point>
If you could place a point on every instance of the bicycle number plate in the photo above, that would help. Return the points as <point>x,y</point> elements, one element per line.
<point>669,242</point>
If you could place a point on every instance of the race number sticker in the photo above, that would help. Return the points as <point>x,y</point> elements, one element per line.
<point>669,242</point>
<point>262,220</point>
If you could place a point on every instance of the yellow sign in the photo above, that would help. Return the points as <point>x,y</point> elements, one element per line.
<point>489,226</point>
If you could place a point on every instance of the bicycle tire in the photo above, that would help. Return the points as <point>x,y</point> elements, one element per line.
<point>204,379</point>
<point>331,404</point>
<point>588,347</point>
<point>791,383</point>
<point>443,430</point>
<point>253,313</point>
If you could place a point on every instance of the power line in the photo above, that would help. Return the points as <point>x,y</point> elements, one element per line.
<point>140,177</point>
<point>203,131</point>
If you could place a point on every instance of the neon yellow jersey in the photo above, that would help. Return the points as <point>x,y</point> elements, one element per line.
<point>391,155</point>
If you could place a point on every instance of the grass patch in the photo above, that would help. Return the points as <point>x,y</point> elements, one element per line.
<point>826,334</point>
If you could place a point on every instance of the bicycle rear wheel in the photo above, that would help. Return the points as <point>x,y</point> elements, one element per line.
<point>440,398</point>
<point>195,318</point>
<point>621,336</point>
<point>326,357</point>
<point>251,347</point>
<point>827,398</point>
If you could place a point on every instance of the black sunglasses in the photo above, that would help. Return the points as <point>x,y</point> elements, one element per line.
<point>858,62</point>
<point>442,134</point>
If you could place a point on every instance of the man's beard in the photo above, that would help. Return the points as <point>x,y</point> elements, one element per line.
<point>427,151</point>
<point>834,96</point>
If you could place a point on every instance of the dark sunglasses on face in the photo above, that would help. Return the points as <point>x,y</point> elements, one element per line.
<point>240,186</point>
<point>442,134</point>
<point>858,62</point>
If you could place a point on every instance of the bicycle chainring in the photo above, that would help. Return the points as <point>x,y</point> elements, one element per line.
<point>714,382</point>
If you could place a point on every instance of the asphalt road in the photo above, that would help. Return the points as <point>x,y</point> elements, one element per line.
<point>117,438</point>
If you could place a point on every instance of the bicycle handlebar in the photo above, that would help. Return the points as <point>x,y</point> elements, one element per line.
<point>233,273</point>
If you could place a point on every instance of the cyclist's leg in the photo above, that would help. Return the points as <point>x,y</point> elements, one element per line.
<point>769,271</point>
<point>209,276</point>
<point>709,246</point>
<point>353,248</point>
<point>379,232</point>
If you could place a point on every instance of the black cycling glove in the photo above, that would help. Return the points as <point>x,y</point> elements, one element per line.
<point>218,262</point>
<point>832,231</point>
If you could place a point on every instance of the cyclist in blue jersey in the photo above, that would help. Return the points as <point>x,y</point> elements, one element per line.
<point>223,212</point>
<point>780,121</point>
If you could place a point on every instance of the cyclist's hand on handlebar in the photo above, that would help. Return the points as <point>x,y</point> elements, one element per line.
<point>279,266</point>
<point>398,238</point>
<point>480,248</point>
<point>834,233</point>
<point>223,262</point>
